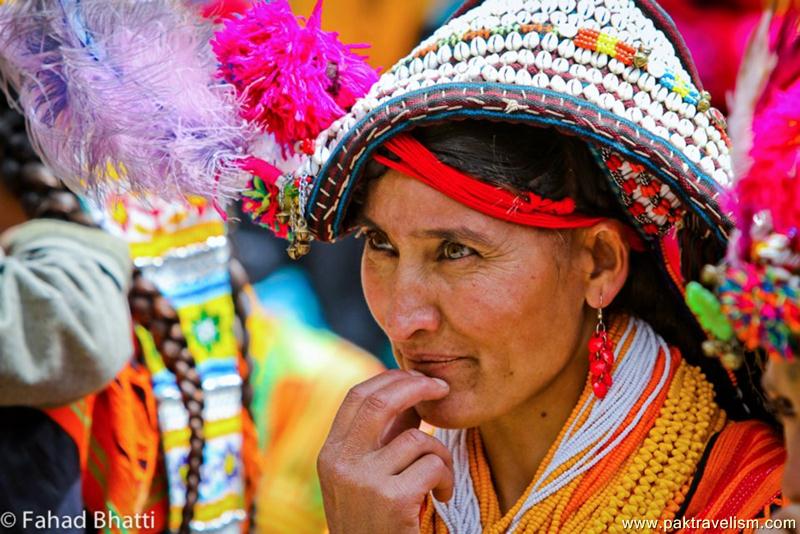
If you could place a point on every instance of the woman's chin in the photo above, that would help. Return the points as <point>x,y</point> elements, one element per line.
<point>450,412</point>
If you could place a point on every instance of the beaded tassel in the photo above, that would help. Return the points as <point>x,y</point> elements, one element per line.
<point>601,358</point>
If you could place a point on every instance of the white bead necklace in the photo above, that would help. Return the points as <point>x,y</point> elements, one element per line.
<point>589,443</point>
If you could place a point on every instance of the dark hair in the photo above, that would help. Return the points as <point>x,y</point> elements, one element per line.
<point>553,165</point>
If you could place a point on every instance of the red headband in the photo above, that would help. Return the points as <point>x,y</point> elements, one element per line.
<point>528,209</point>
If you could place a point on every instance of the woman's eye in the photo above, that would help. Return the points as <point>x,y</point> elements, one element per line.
<point>456,251</point>
<point>782,407</point>
<point>378,241</point>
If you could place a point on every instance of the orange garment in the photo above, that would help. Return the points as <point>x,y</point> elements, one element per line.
<point>116,433</point>
<point>740,476</point>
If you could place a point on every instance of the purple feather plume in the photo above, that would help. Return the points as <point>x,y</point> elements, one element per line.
<point>120,96</point>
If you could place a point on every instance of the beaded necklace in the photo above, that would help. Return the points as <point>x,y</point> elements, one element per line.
<point>631,455</point>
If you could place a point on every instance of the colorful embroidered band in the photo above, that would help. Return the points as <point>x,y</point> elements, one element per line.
<point>528,209</point>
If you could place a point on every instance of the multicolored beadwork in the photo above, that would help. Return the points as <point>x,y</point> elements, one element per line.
<point>605,72</point>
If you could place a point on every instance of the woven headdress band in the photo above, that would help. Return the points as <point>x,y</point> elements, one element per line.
<point>528,209</point>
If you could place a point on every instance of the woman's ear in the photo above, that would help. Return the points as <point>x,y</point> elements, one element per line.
<point>609,252</point>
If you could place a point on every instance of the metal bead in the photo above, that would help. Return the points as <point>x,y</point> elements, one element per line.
<point>705,102</point>
<point>642,57</point>
<point>731,361</point>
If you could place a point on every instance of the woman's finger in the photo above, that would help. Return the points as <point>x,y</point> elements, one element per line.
<point>429,473</point>
<point>356,397</point>
<point>407,448</point>
<point>384,405</point>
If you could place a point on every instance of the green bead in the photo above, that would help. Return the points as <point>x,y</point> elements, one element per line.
<point>706,307</point>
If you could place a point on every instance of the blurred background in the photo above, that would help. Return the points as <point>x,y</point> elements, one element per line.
<point>323,289</point>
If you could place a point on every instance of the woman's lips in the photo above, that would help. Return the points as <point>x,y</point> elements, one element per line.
<point>435,365</point>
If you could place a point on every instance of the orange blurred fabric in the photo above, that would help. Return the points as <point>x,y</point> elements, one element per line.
<point>392,28</point>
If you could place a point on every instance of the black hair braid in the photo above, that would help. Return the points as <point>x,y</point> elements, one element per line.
<point>41,194</point>
<point>152,310</point>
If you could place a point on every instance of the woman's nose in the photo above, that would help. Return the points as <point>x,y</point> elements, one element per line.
<point>411,308</point>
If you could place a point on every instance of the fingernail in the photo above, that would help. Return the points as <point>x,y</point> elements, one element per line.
<point>441,382</point>
<point>415,372</point>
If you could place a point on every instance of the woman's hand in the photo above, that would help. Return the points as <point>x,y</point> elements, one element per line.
<point>376,466</point>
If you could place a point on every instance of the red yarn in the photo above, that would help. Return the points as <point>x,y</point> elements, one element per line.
<point>529,209</point>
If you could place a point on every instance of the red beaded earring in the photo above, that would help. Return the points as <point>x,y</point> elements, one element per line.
<point>601,357</point>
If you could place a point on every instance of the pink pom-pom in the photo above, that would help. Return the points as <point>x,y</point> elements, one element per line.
<point>293,80</point>
<point>773,181</point>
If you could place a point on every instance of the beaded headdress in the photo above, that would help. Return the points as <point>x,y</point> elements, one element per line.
<point>752,302</point>
<point>614,73</point>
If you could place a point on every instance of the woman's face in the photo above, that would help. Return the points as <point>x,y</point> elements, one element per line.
<point>493,308</point>
<point>782,384</point>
